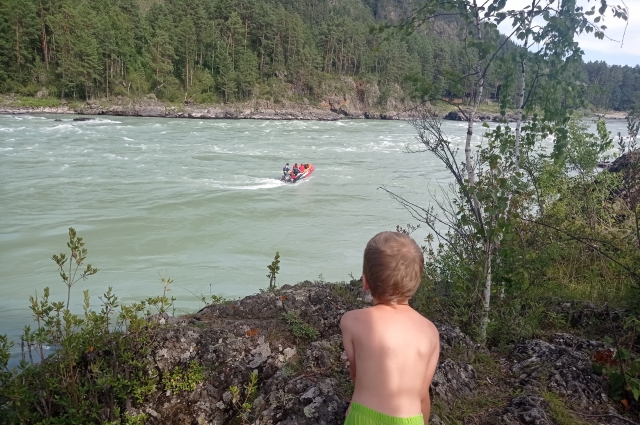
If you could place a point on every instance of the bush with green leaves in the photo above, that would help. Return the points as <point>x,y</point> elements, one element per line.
<point>242,401</point>
<point>183,378</point>
<point>100,361</point>
<point>570,235</point>
<point>299,327</point>
<point>622,366</point>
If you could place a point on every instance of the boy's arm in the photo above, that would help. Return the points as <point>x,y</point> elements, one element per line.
<point>347,342</point>
<point>431,370</point>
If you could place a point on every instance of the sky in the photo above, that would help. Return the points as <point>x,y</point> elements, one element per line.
<point>612,52</point>
<point>627,53</point>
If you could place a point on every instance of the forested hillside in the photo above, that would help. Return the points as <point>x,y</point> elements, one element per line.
<point>207,51</point>
<point>612,87</point>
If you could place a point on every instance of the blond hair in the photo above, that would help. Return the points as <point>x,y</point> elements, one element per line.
<point>392,265</point>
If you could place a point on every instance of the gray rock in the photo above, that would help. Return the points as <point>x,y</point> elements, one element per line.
<point>453,380</point>
<point>560,369</point>
<point>310,387</point>
<point>577,343</point>
<point>527,409</point>
<point>451,337</point>
<point>435,420</point>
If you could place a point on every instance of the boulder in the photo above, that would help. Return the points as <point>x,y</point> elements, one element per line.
<point>454,116</point>
<point>564,371</point>
<point>453,380</point>
<point>527,409</point>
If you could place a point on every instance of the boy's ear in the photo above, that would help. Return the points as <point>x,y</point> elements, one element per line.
<point>365,284</point>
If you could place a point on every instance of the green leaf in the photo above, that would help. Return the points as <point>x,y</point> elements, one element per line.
<point>623,354</point>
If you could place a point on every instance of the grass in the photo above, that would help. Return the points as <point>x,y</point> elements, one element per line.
<point>560,414</point>
<point>34,102</point>
<point>468,410</point>
<point>485,365</point>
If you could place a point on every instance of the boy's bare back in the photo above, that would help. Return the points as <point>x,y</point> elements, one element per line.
<point>392,350</point>
<point>393,353</point>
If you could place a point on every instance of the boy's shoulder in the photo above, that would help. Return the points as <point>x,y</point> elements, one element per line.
<point>352,317</point>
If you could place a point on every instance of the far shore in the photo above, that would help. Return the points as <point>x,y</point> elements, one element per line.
<point>259,110</point>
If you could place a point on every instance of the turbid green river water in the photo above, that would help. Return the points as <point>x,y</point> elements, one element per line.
<point>197,200</point>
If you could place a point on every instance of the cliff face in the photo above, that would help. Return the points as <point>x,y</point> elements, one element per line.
<point>291,341</point>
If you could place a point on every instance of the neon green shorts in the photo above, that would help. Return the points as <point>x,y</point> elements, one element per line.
<point>361,415</point>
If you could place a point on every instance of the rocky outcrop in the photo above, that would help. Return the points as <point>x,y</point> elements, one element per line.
<point>301,379</point>
<point>566,372</point>
<point>453,380</point>
<point>623,162</point>
<point>20,110</point>
<point>291,339</point>
<point>355,101</point>
<point>458,115</point>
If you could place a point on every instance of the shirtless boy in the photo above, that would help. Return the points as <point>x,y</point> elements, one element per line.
<point>392,350</point>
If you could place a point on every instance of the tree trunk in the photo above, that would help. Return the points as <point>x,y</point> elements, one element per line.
<point>479,89</point>
<point>523,71</point>
<point>106,68</point>
<point>186,77</point>
<point>45,53</point>
<point>471,179</point>
<point>486,298</point>
<point>18,45</point>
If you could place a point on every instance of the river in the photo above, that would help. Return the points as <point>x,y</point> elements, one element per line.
<point>199,201</point>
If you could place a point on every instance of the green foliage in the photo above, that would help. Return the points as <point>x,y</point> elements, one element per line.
<point>623,368</point>
<point>570,237</point>
<point>100,365</point>
<point>242,400</point>
<point>274,269</point>
<point>226,50</point>
<point>78,255</point>
<point>560,414</point>
<point>611,86</point>
<point>299,327</point>
<point>162,302</point>
<point>183,378</point>
<point>33,102</point>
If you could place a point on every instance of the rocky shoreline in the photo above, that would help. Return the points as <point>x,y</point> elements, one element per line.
<point>330,109</point>
<point>302,375</point>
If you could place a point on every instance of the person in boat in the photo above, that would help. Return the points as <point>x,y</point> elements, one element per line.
<point>302,168</point>
<point>285,169</point>
<point>295,170</point>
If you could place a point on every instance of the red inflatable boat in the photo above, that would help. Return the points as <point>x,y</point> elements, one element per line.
<point>289,178</point>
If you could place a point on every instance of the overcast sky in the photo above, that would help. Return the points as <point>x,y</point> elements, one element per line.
<point>609,51</point>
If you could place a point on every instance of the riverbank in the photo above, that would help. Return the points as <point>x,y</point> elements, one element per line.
<point>277,358</point>
<point>331,108</point>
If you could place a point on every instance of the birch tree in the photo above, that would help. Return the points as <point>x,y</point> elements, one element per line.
<point>485,183</point>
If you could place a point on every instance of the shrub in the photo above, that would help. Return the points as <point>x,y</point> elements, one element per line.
<point>299,327</point>
<point>100,363</point>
